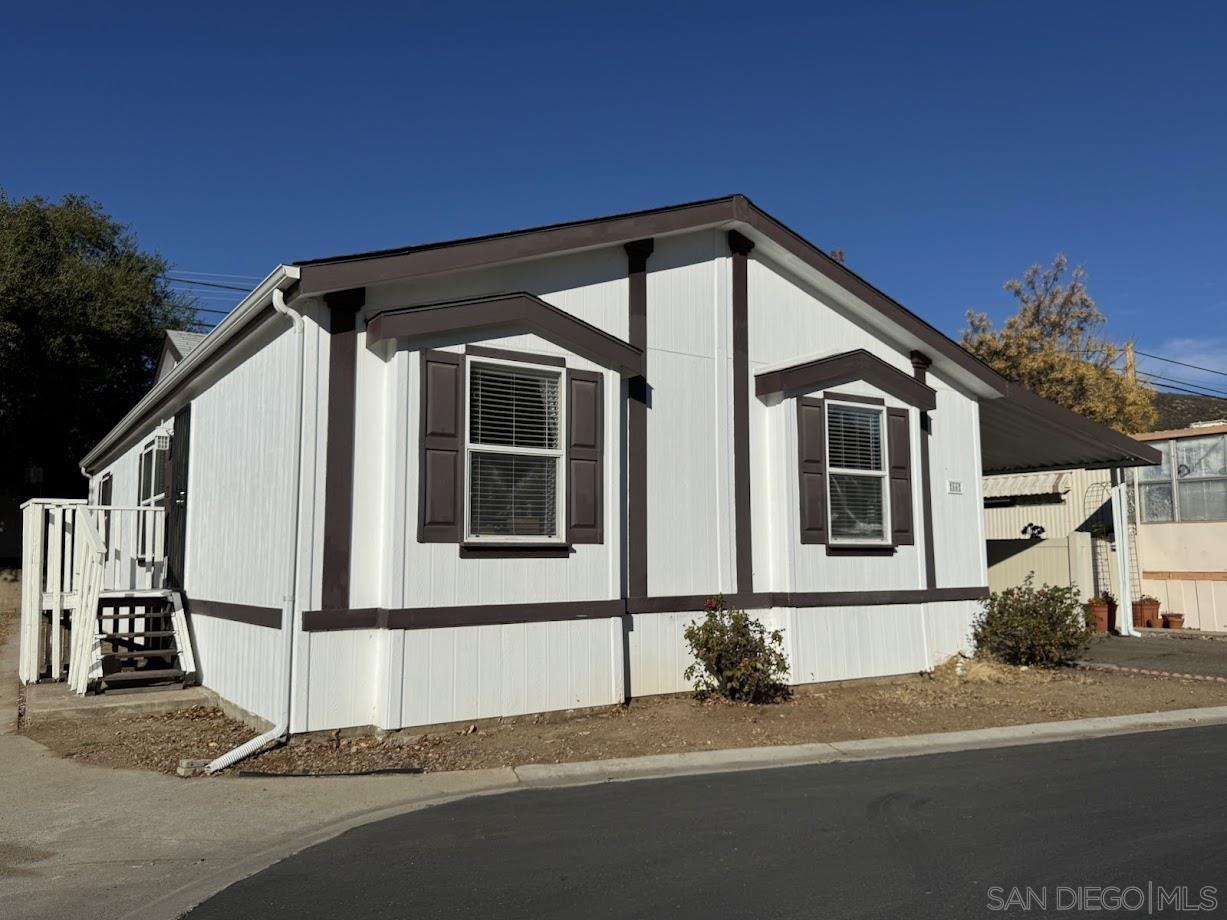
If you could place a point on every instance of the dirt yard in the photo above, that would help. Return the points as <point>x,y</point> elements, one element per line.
<point>986,695</point>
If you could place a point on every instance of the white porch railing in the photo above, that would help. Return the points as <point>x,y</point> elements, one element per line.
<point>72,552</point>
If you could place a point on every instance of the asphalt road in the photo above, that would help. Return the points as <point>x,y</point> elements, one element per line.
<point>945,836</point>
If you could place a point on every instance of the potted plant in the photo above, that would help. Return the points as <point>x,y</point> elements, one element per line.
<point>1173,621</point>
<point>1097,613</point>
<point>1110,598</point>
<point>1146,612</point>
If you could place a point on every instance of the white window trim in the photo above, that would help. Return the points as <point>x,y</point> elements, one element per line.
<point>560,487</point>
<point>884,474</point>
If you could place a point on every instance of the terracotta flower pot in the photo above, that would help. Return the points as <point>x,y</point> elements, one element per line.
<point>1100,613</point>
<point>1146,613</point>
<point>1173,621</point>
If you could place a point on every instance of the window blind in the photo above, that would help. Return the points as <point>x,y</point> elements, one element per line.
<point>855,438</point>
<point>513,495</point>
<point>857,499</point>
<point>513,407</point>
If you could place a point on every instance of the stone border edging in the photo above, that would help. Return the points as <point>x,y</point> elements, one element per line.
<point>1149,672</point>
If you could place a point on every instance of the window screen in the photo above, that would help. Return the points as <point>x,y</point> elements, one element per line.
<point>514,451</point>
<point>856,474</point>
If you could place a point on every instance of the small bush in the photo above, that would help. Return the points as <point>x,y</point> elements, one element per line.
<point>1026,625</point>
<point>736,657</point>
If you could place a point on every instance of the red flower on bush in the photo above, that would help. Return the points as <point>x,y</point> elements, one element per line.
<point>709,604</point>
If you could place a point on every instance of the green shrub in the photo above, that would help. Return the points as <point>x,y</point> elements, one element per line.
<point>736,657</point>
<point>1045,626</point>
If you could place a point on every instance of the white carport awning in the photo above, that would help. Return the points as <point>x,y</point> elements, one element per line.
<point>1026,484</point>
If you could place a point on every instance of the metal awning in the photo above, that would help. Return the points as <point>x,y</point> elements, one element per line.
<point>1021,433</point>
<point>1026,484</point>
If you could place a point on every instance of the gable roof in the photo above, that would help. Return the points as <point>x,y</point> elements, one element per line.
<point>1020,431</point>
<point>183,342</point>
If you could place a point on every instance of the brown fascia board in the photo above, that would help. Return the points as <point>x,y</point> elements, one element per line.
<point>1170,433</point>
<point>507,314</point>
<point>843,368</point>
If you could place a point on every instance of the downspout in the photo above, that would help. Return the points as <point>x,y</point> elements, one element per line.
<point>288,632</point>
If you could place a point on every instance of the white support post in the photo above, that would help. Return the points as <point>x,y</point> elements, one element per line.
<point>55,575</point>
<point>1120,525</point>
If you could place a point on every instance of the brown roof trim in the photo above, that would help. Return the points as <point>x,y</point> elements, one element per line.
<point>320,275</point>
<point>506,314</point>
<point>1181,433</point>
<point>755,225</point>
<point>843,368</point>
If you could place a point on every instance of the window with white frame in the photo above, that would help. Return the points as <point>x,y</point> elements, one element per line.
<point>514,455</point>
<point>1190,483</point>
<point>857,474</point>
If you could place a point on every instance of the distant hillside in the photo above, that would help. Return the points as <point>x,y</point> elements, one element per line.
<point>1178,411</point>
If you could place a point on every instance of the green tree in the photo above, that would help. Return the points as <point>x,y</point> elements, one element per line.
<point>82,315</point>
<point>1053,346</point>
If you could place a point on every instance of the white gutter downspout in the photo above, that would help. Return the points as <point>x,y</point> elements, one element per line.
<point>288,631</point>
<point>1124,552</point>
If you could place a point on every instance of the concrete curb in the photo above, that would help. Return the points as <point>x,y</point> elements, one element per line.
<point>724,761</point>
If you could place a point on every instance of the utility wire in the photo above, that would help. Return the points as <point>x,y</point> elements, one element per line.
<point>1171,387</point>
<point>1196,367</point>
<point>209,284</point>
<point>1190,383</point>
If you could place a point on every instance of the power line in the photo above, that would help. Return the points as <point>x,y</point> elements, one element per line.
<point>209,284</point>
<point>1196,367</point>
<point>1190,383</point>
<point>1171,387</point>
<point>182,271</point>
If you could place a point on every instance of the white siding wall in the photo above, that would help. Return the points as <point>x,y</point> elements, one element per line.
<point>821,643</point>
<point>792,322</point>
<point>242,663</point>
<point>958,520</point>
<point>241,480</point>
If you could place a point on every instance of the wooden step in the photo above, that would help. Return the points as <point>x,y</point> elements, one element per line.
<point>136,677</point>
<point>130,615</point>
<point>143,653</point>
<point>150,634</point>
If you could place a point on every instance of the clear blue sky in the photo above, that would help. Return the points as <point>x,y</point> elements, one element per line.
<point>944,147</point>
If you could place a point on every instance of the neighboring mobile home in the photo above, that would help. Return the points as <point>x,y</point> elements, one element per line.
<point>500,475</point>
<point>1059,526</point>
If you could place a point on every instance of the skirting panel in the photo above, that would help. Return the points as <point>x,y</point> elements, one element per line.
<point>241,663</point>
<point>342,679</point>
<point>478,672</point>
<point>949,628</point>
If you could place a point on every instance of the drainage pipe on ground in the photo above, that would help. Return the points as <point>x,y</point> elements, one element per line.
<point>288,631</point>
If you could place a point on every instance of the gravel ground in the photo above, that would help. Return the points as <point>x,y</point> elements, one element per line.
<point>983,696</point>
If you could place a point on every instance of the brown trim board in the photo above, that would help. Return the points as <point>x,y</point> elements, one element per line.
<point>493,614</point>
<point>503,354</point>
<point>506,314</point>
<point>637,255</point>
<point>740,247</point>
<point>269,617</point>
<point>832,371</point>
<point>343,309</point>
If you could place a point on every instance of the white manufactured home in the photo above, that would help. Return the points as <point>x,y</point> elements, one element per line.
<point>500,475</point>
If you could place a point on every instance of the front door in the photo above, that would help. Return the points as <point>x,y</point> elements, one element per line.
<point>176,498</point>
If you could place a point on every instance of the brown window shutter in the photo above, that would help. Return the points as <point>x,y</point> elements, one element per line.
<point>811,469</point>
<point>899,446</point>
<point>585,457</point>
<point>441,432</point>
